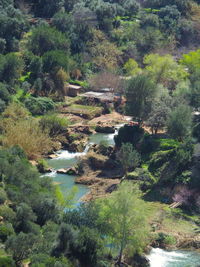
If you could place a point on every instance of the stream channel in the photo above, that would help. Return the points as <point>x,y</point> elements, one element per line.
<point>158,257</point>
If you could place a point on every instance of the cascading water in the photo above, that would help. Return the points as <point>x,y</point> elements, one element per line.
<point>161,258</point>
<point>66,159</point>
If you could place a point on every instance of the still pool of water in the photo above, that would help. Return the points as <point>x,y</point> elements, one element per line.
<point>161,258</point>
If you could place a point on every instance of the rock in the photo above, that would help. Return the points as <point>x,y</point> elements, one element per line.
<point>83,129</point>
<point>62,171</point>
<point>45,170</point>
<point>72,171</point>
<point>52,156</point>
<point>97,161</point>
<point>77,146</point>
<point>138,261</point>
<point>102,128</point>
<point>111,188</point>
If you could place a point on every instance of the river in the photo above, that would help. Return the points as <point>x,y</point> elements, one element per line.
<point>161,258</point>
<point>65,159</point>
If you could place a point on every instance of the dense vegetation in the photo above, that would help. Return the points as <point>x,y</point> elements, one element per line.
<point>147,51</point>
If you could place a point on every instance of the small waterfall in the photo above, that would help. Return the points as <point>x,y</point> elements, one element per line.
<point>65,154</point>
<point>162,258</point>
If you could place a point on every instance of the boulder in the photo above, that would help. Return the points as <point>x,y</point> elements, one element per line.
<point>52,156</point>
<point>62,171</point>
<point>104,128</point>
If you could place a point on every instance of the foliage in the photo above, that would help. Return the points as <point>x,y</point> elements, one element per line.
<point>128,157</point>
<point>179,122</point>
<point>53,124</point>
<point>125,212</point>
<point>131,67</point>
<point>45,38</point>
<point>29,136</point>
<point>140,95</point>
<point>164,69</point>
<point>11,67</point>
<point>39,105</point>
<point>129,134</point>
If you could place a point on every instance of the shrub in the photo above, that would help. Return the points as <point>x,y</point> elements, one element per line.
<point>129,134</point>
<point>29,136</point>
<point>5,231</point>
<point>7,213</point>
<point>54,125</point>
<point>165,240</point>
<point>6,261</point>
<point>42,165</point>
<point>39,105</point>
<point>15,111</point>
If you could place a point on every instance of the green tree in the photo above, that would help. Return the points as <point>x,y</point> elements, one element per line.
<point>180,122</point>
<point>20,246</point>
<point>164,69</point>
<point>126,214</point>
<point>131,67</point>
<point>128,157</point>
<point>160,111</point>
<point>45,38</point>
<point>140,94</point>
<point>11,67</point>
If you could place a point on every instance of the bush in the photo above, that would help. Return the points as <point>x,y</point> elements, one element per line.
<point>5,231</point>
<point>7,213</point>
<point>6,261</point>
<point>39,105</point>
<point>129,134</point>
<point>15,111</point>
<point>149,144</point>
<point>165,240</point>
<point>54,125</point>
<point>29,136</point>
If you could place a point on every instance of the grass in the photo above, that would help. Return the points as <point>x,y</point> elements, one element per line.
<point>87,112</point>
<point>170,220</point>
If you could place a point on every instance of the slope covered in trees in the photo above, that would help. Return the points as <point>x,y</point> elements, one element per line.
<point>147,53</point>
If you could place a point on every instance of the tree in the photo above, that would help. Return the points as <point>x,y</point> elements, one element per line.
<point>21,246</point>
<point>160,110</point>
<point>128,157</point>
<point>104,53</point>
<point>164,69</point>
<point>24,218</point>
<point>180,122</point>
<point>125,212</point>
<point>106,79</point>
<point>11,67</point>
<point>191,60</point>
<point>140,94</point>
<point>45,38</point>
<point>131,67</point>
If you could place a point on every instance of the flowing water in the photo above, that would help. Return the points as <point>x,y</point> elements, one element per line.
<point>67,159</point>
<point>161,258</point>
